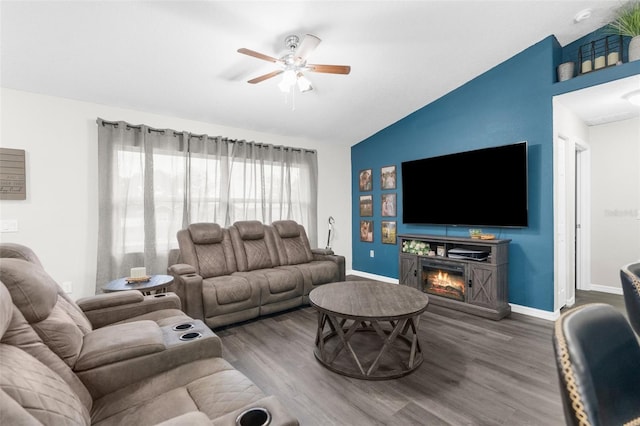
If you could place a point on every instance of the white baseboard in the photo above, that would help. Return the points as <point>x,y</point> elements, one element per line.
<point>532,312</point>
<point>373,276</point>
<point>605,289</point>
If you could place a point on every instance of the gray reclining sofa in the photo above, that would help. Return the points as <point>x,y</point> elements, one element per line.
<point>151,365</point>
<point>227,275</point>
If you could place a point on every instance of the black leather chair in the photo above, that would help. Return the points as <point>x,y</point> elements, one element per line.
<point>598,361</point>
<point>630,277</point>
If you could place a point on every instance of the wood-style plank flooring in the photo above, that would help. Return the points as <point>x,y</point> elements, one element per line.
<point>476,372</point>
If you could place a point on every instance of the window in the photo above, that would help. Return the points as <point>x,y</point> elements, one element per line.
<point>154,183</point>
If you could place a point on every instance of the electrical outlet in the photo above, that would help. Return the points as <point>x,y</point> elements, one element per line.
<point>67,287</point>
<point>371,253</point>
<point>9,225</point>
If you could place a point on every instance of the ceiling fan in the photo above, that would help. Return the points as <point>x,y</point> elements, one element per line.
<point>294,64</point>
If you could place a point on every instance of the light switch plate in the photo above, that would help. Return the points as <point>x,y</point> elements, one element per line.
<point>9,225</point>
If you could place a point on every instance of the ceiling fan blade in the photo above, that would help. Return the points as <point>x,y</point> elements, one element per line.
<point>307,45</point>
<point>258,55</point>
<point>330,69</point>
<point>265,76</point>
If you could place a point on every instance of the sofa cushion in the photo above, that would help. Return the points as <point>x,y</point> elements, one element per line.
<point>319,272</point>
<point>292,243</point>
<point>61,335</point>
<point>287,228</point>
<point>6,309</point>
<point>228,289</point>
<point>212,260</point>
<point>21,335</point>
<point>33,291</point>
<point>281,280</point>
<point>212,386</point>
<point>250,229</point>
<point>73,311</point>
<point>41,392</point>
<point>36,295</point>
<point>18,251</point>
<point>253,246</point>
<point>257,255</point>
<point>205,233</point>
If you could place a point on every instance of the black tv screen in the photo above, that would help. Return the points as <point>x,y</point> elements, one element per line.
<point>484,187</point>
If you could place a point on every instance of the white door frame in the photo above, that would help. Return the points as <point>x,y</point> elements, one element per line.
<point>583,216</point>
<point>572,223</point>
<point>562,153</point>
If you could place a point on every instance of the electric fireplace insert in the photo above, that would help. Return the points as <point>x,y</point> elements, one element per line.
<point>444,279</point>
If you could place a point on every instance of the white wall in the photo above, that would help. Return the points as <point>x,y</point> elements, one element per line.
<point>615,200</point>
<point>59,218</point>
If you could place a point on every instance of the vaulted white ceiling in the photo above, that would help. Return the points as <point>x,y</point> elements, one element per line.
<point>179,58</point>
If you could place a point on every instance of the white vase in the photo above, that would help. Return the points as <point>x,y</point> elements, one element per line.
<point>634,49</point>
<point>566,71</point>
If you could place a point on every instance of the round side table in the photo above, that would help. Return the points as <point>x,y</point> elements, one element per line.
<point>156,283</point>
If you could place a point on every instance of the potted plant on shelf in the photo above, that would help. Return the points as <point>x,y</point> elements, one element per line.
<point>627,23</point>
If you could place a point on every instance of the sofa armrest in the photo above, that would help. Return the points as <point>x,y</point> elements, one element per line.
<point>108,300</point>
<point>188,286</point>
<point>182,269</point>
<point>114,357</point>
<point>336,258</point>
<point>110,308</point>
<point>119,343</point>
<point>321,251</point>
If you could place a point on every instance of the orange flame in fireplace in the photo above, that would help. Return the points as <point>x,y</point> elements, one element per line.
<point>443,280</point>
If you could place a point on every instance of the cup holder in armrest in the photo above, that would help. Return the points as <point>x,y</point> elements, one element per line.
<point>182,327</point>
<point>190,336</point>
<point>256,416</point>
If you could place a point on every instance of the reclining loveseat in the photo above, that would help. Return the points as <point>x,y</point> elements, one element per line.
<point>155,367</point>
<point>250,269</point>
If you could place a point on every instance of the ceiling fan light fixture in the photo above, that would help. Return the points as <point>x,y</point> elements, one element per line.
<point>293,63</point>
<point>288,81</point>
<point>633,97</point>
<point>304,85</point>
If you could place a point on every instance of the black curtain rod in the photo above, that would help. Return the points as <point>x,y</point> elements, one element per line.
<point>183,133</point>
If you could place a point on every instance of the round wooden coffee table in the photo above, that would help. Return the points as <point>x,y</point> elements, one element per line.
<point>371,328</point>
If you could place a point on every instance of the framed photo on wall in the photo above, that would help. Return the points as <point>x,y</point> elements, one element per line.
<point>388,229</point>
<point>388,177</point>
<point>365,180</point>
<point>389,204</point>
<point>366,205</point>
<point>366,231</point>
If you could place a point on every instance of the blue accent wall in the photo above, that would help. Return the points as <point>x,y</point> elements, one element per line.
<point>510,103</point>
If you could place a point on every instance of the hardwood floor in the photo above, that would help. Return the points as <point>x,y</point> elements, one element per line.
<point>615,300</point>
<point>476,372</point>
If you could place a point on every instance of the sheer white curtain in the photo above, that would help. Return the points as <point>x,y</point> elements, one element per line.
<point>238,180</point>
<point>153,183</point>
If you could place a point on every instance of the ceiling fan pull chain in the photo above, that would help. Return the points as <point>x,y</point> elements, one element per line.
<point>293,100</point>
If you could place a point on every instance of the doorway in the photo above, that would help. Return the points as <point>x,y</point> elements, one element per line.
<point>565,224</point>
<point>582,165</point>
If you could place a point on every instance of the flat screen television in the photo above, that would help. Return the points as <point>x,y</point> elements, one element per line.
<point>484,187</point>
